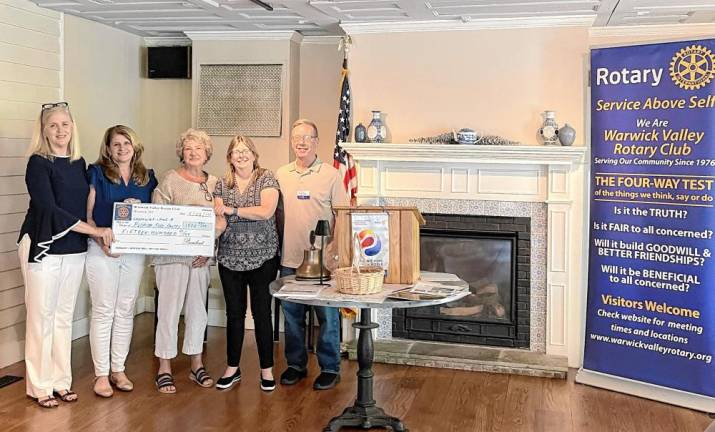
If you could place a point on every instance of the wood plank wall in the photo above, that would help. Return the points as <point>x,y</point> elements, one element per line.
<point>30,74</point>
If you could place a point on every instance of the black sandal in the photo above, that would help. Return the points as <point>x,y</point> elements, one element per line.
<point>163,381</point>
<point>201,378</point>
<point>66,396</point>
<point>49,402</point>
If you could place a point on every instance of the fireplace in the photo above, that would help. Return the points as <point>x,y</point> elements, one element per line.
<point>542,183</point>
<point>492,253</point>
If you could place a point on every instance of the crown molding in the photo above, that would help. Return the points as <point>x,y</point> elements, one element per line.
<point>292,36</point>
<point>321,40</point>
<point>158,41</point>
<point>474,24</point>
<point>658,30</point>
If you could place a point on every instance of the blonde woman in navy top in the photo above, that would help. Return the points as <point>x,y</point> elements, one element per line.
<point>52,249</point>
<point>119,175</point>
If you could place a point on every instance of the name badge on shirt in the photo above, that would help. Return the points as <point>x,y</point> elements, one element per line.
<point>303,195</point>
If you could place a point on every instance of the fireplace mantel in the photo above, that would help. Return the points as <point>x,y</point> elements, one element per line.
<point>554,176</point>
<point>548,155</point>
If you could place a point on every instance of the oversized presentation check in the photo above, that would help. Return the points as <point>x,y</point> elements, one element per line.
<point>155,229</point>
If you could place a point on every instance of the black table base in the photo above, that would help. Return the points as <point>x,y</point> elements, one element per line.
<point>365,413</point>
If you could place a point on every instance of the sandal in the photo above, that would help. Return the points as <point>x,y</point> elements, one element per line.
<point>163,382</point>
<point>202,378</point>
<point>67,396</point>
<point>48,402</point>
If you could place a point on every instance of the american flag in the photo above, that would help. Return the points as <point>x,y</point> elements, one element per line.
<point>342,160</point>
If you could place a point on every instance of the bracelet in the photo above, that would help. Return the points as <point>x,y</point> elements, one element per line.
<point>235,211</point>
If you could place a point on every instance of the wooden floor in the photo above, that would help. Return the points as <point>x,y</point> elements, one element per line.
<point>426,399</point>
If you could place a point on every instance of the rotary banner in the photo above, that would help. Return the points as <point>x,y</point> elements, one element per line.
<point>650,318</point>
<point>373,233</point>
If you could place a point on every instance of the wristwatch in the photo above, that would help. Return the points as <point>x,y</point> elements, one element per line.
<point>235,211</point>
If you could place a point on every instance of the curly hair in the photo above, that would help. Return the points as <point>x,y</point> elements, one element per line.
<point>194,135</point>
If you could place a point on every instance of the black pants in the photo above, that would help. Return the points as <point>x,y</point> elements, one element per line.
<point>234,291</point>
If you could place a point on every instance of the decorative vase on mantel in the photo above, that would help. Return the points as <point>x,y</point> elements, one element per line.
<point>549,130</point>
<point>376,130</point>
<point>567,135</point>
<point>360,133</point>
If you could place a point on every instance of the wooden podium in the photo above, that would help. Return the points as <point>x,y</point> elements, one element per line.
<point>404,228</point>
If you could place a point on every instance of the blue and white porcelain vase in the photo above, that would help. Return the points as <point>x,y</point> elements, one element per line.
<point>549,130</point>
<point>376,131</point>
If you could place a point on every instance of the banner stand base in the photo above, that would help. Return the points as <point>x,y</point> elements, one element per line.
<point>645,390</point>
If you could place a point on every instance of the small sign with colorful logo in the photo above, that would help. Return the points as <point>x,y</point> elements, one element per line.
<point>373,232</point>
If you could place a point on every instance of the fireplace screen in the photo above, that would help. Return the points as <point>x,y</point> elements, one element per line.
<point>486,263</point>
<point>491,253</point>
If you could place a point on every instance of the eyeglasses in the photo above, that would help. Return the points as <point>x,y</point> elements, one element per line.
<point>205,189</point>
<point>47,106</point>
<point>241,152</point>
<point>302,138</point>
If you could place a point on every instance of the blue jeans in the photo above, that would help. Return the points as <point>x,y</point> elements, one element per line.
<point>328,349</point>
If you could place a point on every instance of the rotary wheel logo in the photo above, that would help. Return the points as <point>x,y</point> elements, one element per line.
<point>692,67</point>
<point>369,242</point>
<point>123,212</point>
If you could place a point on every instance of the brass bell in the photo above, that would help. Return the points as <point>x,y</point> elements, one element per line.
<point>309,269</point>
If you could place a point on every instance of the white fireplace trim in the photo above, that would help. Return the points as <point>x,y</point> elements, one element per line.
<point>551,175</point>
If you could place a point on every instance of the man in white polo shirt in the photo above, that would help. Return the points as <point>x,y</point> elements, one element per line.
<point>309,190</point>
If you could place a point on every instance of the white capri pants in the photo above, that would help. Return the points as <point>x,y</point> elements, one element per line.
<point>51,288</point>
<point>114,288</point>
<point>181,286</point>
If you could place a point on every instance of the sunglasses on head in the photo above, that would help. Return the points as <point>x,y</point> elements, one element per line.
<point>47,106</point>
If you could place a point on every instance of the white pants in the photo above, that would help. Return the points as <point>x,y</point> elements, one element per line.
<point>51,288</point>
<point>181,286</point>
<point>114,288</point>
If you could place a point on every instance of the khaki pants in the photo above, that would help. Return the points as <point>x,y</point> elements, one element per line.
<point>181,286</point>
<point>51,288</point>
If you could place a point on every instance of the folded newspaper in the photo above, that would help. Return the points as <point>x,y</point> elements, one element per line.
<point>427,290</point>
<point>299,289</point>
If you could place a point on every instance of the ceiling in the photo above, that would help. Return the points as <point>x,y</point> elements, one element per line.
<point>170,18</point>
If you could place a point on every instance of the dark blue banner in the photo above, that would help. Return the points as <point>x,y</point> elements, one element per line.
<point>651,287</point>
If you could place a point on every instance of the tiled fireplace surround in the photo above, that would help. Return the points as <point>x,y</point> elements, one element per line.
<point>545,184</point>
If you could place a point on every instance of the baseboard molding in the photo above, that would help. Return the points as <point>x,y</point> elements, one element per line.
<point>12,352</point>
<point>145,304</point>
<point>80,328</point>
<point>646,390</point>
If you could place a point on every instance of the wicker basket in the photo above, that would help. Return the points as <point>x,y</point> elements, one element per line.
<point>359,279</point>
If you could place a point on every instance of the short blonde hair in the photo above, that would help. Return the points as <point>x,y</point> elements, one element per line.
<point>194,135</point>
<point>305,122</point>
<point>39,145</point>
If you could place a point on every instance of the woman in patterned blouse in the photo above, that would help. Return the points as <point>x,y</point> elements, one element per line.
<point>247,195</point>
